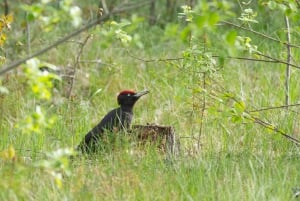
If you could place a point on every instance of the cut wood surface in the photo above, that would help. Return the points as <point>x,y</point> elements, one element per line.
<point>163,137</point>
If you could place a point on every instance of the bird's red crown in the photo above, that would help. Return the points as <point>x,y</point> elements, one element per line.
<point>127,92</point>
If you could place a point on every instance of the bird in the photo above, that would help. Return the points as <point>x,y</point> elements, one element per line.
<point>117,119</point>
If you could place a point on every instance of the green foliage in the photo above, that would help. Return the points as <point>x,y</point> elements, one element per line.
<point>57,165</point>
<point>36,122</point>
<point>49,14</point>
<point>248,16</point>
<point>244,43</point>
<point>40,81</point>
<point>194,86</point>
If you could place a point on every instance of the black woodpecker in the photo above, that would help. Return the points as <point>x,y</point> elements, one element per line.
<point>117,119</point>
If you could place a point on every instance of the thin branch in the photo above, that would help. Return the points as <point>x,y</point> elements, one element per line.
<point>271,59</point>
<point>275,107</point>
<point>247,59</point>
<point>270,126</point>
<point>277,60</point>
<point>153,60</point>
<point>288,60</point>
<point>15,64</point>
<point>260,34</point>
<point>261,122</point>
<point>77,64</point>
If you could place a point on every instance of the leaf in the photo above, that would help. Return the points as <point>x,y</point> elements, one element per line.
<point>213,19</point>
<point>239,106</point>
<point>272,5</point>
<point>231,37</point>
<point>200,20</point>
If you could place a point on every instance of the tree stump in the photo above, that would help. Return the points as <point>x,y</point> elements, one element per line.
<point>161,136</point>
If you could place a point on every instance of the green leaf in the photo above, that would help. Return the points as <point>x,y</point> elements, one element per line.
<point>231,37</point>
<point>272,5</point>
<point>240,106</point>
<point>213,19</point>
<point>200,21</point>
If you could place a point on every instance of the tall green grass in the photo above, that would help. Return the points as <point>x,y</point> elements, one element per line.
<point>236,161</point>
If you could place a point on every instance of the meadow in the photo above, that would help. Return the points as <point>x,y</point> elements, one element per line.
<point>197,85</point>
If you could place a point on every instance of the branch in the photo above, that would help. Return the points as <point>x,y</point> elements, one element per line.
<point>77,64</point>
<point>247,59</point>
<point>275,107</point>
<point>153,60</point>
<point>260,34</point>
<point>15,64</point>
<point>277,60</point>
<point>272,60</point>
<point>270,126</point>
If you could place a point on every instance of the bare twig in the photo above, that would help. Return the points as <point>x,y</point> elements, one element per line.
<point>277,60</point>
<point>270,59</point>
<point>260,34</point>
<point>15,64</point>
<point>153,60</point>
<point>288,60</point>
<point>247,59</point>
<point>77,64</point>
<point>275,107</point>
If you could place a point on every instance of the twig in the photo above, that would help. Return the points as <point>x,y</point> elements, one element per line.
<point>272,60</point>
<point>15,64</point>
<point>153,60</point>
<point>275,107</point>
<point>77,64</point>
<point>247,59</point>
<point>277,60</point>
<point>288,60</point>
<point>261,122</point>
<point>272,127</point>
<point>260,34</point>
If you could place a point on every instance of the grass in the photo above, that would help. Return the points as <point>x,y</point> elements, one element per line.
<point>236,161</point>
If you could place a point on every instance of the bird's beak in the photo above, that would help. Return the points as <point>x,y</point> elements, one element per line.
<point>141,93</point>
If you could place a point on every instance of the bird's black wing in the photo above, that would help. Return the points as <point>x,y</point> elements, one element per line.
<point>110,120</point>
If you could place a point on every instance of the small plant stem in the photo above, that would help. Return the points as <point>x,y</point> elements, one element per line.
<point>28,35</point>
<point>202,111</point>
<point>288,68</point>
